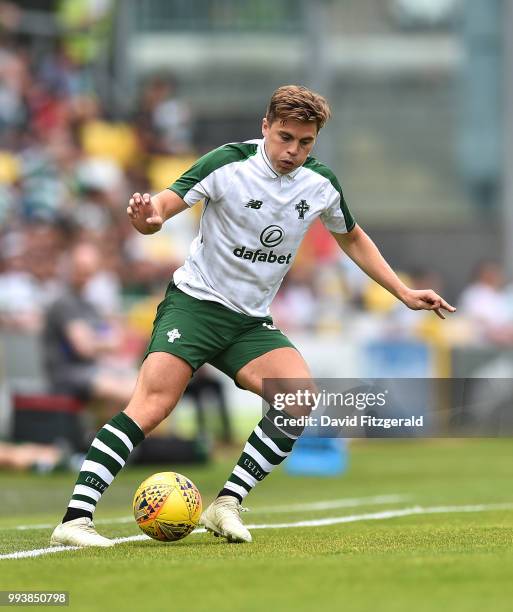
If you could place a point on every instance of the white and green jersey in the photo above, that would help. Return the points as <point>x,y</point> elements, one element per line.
<point>252,223</point>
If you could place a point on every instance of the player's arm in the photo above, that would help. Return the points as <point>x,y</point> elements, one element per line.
<point>361,249</point>
<point>147,213</point>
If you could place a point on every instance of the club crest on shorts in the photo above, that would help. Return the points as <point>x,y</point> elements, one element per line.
<point>173,334</point>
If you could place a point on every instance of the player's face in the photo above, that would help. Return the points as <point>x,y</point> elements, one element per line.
<point>288,144</point>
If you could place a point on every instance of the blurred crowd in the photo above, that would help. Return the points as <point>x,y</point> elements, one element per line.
<point>67,168</point>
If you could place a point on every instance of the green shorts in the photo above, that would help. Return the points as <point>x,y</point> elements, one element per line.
<point>202,331</point>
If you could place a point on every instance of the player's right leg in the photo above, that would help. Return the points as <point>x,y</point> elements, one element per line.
<point>161,382</point>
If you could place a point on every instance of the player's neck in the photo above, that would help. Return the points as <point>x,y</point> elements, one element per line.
<point>272,165</point>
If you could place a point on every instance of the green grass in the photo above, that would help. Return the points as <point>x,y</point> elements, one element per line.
<point>454,561</point>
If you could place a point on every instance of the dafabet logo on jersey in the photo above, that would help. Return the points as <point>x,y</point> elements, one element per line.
<point>271,236</point>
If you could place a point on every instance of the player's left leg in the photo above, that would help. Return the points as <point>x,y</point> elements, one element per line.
<point>269,443</point>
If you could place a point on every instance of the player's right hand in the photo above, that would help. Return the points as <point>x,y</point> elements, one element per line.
<point>143,214</point>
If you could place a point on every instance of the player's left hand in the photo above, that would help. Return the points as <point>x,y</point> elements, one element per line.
<point>427,299</point>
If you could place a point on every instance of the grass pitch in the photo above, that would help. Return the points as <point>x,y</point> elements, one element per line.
<point>412,525</point>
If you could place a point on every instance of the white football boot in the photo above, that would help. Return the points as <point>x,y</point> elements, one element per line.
<point>222,517</point>
<point>78,532</point>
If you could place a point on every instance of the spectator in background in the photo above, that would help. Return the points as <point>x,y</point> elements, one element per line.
<point>43,266</point>
<point>14,79</point>
<point>104,289</point>
<point>21,300</point>
<point>486,302</point>
<point>295,305</point>
<point>77,339</point>
<point>165,121</point>
<point>40,458</point>
<point>30,272</point>
<point>99,180</point>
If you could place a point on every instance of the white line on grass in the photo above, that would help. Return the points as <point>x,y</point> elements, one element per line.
<point>371,516</point>
<point>321,505</point>
<point>334,503</point>
<point>385,514</point>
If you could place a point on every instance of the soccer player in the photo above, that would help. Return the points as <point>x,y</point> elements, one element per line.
<point>260,198</point>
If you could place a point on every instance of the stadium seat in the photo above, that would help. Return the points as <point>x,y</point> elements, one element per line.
<point>47,419</point>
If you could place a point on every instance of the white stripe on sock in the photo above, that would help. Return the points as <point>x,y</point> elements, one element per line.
<point>122,436</point>
<point>245,476</point>
<point>260,459</point>
<point>97,468</point>
<point>104,448</point>
<point>88,491</point>
<point>77,503</point>
<point>268,442</point>
<point>236,489</point>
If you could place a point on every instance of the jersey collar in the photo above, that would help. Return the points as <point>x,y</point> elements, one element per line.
<point>268,167</point>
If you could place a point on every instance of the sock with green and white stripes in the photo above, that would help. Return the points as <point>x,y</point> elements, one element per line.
<point>108,454</point>
<point>267,446</point>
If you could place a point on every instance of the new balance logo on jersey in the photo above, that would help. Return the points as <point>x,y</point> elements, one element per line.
<point>302,207</point>
<point>256,204</point>
<point>266,256</point>
<point>173,335</point>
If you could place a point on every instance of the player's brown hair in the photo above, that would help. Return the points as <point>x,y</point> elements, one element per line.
<point>299,103</point>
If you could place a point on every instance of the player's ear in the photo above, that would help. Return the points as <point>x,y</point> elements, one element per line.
<point>265,126</point>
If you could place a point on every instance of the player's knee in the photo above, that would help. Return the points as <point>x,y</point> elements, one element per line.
<point>150,408</point>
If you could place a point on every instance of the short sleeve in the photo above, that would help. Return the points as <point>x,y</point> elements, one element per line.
<point>337,216</point>
<point>197,182</point>
<point>207,177</point>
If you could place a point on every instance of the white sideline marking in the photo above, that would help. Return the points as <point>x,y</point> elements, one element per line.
<point>371,516</point>
<point>344,502</point>
<point>334,503</point>
<point>385,514</point>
